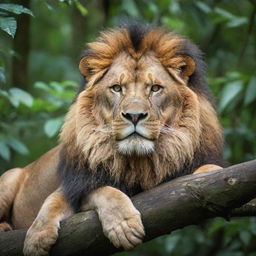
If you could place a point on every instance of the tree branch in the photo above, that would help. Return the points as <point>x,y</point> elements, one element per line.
<point>183,201</point>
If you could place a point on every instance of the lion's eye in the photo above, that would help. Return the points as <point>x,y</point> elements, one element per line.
<point>156,88</point>
<point>116,88</point>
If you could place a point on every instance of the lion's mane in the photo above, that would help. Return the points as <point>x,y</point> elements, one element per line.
<point>89,158</point>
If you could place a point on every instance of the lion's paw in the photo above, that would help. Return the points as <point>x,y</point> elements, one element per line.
<point>38,243</point>
<point>4,226</point>
<point>126,233</point>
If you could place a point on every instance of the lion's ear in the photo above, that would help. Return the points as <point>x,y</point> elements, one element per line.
<point>91,69</point>
<point>181,67</point>
<point>84,67</point>
<point>187,66</point>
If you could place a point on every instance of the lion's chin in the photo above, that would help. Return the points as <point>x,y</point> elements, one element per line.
<point>135,145</point>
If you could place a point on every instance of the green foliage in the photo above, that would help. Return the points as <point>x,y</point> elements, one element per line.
<point>15,8</point>
<point>9,24</point>
<point>250,93</point>
<point>217,237</point>
<point>80,7</point>
<point>17,96</point>
<point>21,113</point>
<point>30,121</point>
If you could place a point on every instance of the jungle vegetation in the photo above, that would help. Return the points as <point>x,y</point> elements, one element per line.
<point>40,45</point>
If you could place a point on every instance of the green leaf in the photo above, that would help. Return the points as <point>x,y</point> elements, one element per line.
<point>245,236</point>
<point>234,75</point>
<point>8,25</point>
<point>172,242</point>
<point>15,8</point>
<point>68,2</point>
<point>215,226</point>
<point>43,86</point>
<point>17,145</point>
<point>221,15</point>
<point>236,22</point>
<point>4,151</point>
<point>153,7</point>
<point>81,8</point>
<point>250,94</point>
<point>203,6</point>
<point>3,13</point>
<point>224,13</point>
<point>69,83</point>
<point>4,94</point>
<point>229,93</point>
<point>48,6</point>
<point>131,8</point>
<point>52,126</point>
<point>56,86</point>
<point>18,96</point>
<point>2,75</point>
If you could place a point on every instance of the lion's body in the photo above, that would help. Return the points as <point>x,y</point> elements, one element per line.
<point>33,184</point>
<point>144,117</point>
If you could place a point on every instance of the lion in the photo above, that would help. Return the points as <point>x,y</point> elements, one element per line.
<point>143,117</point>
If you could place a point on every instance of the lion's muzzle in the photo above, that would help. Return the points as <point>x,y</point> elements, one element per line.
<point>135,138</point>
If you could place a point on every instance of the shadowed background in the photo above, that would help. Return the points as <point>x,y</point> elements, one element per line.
<point>40,45</point>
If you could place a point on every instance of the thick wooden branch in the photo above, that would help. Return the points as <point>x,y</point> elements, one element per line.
<point>173,205</point>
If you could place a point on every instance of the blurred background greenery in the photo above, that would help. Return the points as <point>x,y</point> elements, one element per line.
<point>40,45</point>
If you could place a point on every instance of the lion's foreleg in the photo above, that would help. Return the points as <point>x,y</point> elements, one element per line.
<point>43,232</point>
<point>207,167</point>
<point>121,221</point>
<point>9,185</point>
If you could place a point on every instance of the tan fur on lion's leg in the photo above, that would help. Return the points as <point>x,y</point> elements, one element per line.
<point>121,221</point>
<point>44,231</point>
<point>207,167</point>
<point>9,185</point>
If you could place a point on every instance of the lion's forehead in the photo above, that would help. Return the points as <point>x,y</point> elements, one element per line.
<point>147,70</point>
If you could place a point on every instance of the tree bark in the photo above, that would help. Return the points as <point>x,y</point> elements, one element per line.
<point>79,30</point>
<point>183,201</point>
<point>21,47</point>
<point>84,26</point>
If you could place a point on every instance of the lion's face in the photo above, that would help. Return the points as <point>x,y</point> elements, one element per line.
<point>144,97</point>
<point>137,101</point>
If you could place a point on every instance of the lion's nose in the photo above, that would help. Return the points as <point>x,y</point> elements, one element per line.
<point>134,117</point>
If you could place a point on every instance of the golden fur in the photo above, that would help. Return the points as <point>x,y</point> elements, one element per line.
<point>143,117</point>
